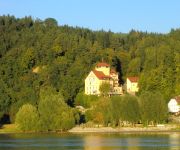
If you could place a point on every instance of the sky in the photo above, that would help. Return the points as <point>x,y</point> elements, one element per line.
<point>115,15</point>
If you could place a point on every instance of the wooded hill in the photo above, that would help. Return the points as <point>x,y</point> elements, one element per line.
<point>35,54</point>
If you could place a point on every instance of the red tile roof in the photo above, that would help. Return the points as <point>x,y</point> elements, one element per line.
<point>100,75</point>
<point>133,79</point>
<point>113,71</point>
<point>177,98</point>
<point>102,64</point>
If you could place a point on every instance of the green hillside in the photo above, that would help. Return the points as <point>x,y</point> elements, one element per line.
<point>36,54</point>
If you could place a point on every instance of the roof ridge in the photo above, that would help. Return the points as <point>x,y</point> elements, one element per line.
<point>133,78</point>
<point>177,98</point>
<point>100,74</point>
<point>103,64</point>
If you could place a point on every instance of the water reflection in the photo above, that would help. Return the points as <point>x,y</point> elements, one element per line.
<point>90,141</point>
<point>174,140</point>
<point>133,142</point>
<point>95,142</point>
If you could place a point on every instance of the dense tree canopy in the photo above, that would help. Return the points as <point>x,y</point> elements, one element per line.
<point>54,113</point>
<point>37,53</point>
<point>104,89</point>
<point>51,114</point>
<point>153,108</point>
<point>130,110</point>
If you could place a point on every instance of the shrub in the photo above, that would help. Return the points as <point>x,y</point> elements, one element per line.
<point>54,112</point>
<point>27,118</point>
<point>85,100</point>
<point>153,108</point>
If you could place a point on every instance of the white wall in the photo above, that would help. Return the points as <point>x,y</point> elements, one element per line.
<point>173,106</point>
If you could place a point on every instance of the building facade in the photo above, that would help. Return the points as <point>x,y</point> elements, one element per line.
<point>102,74</point>
<point>132,84</point>
<point>174,105</point>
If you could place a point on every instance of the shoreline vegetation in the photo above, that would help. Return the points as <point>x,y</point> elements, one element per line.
<point>43,67</point>
<point>13,129</point>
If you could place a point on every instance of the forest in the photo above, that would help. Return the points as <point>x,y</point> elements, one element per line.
<point>43,55</point>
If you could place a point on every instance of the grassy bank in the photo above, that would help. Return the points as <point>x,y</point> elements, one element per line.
<point>9,128</point>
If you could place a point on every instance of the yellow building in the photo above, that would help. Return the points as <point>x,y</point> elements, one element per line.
<point>102,73</point>
<point>132,84</point>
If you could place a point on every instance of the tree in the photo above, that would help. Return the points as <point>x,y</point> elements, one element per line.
<point>102,112</point>
<point>130,109</point>
<point>85,100</point>
<point>51,22</point>
<point>117,110</point>
<point>4,99</point>
<point>27,118</point>
<point>54,113</point>
<point>177,62</point>
<point>98,118</point>
<point>134,67</point>
<point>105,89</point>
<point>67,54</point>
<point>153,108</point>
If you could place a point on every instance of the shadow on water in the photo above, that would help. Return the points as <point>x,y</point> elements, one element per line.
<point>91,141</point>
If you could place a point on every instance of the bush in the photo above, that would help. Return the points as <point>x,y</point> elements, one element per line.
<point>85,100</point>
<point>153,108</point>
<point>27,118</point>
<point>102,112</point>
<point>130,109</point>
<point>54,112</point>
<point>105,89</point>
<point>116,102</point>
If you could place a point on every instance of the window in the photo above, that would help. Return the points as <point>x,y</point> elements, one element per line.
<point>93,79</point>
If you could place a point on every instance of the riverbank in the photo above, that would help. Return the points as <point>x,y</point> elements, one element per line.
<point>9,128</point>
<point>12,128</point>
<point>167,128</point>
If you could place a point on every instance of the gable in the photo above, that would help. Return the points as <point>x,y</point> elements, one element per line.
<point>133,79</point>
<point>102,64</point>
<point>172,101</point>
<point>177,99</point>
<point>91,75</point>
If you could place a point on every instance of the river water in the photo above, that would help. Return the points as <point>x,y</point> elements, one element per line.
<point>91,141</point>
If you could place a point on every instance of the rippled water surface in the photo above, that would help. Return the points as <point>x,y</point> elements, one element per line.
<point>91,141</point>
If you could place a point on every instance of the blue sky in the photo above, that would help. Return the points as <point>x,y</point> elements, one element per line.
<point>116,15</point>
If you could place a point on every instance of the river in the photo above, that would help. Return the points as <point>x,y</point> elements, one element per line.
<point>91,141</point>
